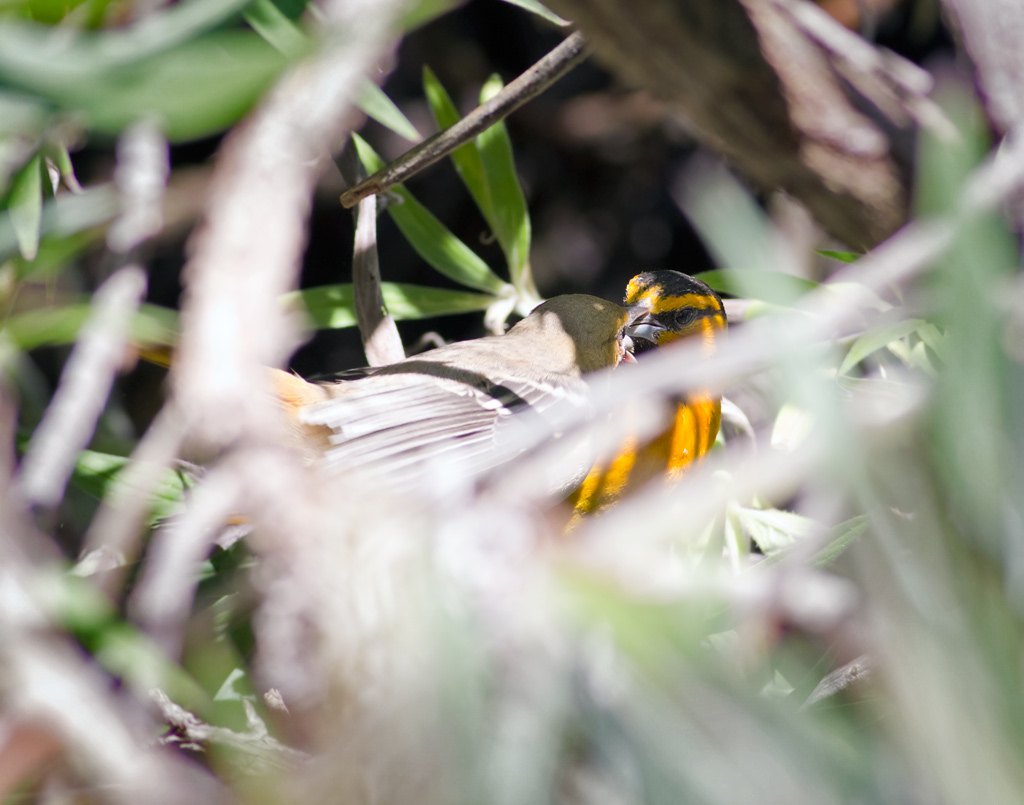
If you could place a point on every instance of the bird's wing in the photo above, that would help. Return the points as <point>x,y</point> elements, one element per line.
<point>432,423</point>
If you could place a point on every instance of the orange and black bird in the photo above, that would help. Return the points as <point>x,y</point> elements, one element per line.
<point>678,306</point>
<point>458,410</point>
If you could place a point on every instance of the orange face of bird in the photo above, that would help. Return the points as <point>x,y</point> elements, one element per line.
<point>678,306</point>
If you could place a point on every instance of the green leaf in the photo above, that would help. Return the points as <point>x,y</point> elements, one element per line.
<point>844,257</point>
<point>540,10</point>
<point>875,339</point>
<point>99,473</point>
<point>426,11</point>
<point>511,220</point>
<point>37,55</point>
<point>200,87</point>
<point>60,325</point>
<point>839,539</point>
<point>57,153</point>
<point>468,163</point>
<point>333,306</point>
<point>25,206</point>
<point>278,29</point>
<point>773,530</point>
<point>66,215</point>
<point>375,103</point>
<point>767,286</point>
<point>431,239</point>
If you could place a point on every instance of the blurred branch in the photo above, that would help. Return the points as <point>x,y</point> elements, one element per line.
<point>70,420</point>
<point>248,250</point>
<point>768,341</point>
<point>527,86</point>
<point>991,33</point>
<point>48,681</point>
<point>143,165</point>
<point>381,341</point>
<point>752,86</point>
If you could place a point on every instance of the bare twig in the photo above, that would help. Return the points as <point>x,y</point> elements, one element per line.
<point>259,751</point>
<point>248,251</point>
<point>381,341</point>
<point>142,168</point>
<point>85,384</point>
<point>530,84</point>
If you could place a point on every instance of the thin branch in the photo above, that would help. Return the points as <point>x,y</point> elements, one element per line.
<point>258,750</point>
<point>248,251</point>
<point>535,80</point>
<point>85,384</point>
<point>381,341</point>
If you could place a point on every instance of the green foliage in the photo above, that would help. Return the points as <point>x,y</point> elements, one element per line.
<point>673,654</point>
<point>433,241</point>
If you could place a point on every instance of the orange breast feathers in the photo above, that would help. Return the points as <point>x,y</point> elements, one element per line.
<point>679,307</point>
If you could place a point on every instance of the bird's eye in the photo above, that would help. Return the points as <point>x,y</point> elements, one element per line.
<point>685,316</point>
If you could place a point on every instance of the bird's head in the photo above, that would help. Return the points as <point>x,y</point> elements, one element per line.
<point>591,331</point>
<point>670,305</point>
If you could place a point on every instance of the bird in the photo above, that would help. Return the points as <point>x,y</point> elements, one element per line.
<point>461,409</point>
<point>678,306</point>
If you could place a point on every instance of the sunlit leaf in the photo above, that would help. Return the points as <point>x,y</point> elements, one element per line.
<point>196,88</point>
<point>425,11</point>
<point>773,530</point>
<point>373,100</point>
<point>511,219</point>
<point>60,325</point>
<point>40,56</point>
<point>843,257</point>
<point>540,10</point>
<point>277,28</point>
<point>25,206</point>
<point>99,473</point>
<point>333,306</point>
<point>876,338</point>
<point>431,239</point>
<point>468,163</point>
<point>66,215</point>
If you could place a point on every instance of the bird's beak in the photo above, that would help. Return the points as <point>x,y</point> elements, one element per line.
<point>627,350</point>
<point>646,327</point>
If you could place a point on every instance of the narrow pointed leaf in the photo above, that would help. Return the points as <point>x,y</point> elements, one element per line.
<point>877,338</point>
<point>468,163</point>
<point>333,306</point>
<point>431,239</point>
<point>540,10</point>
<point>374,102</point>
<point>25,207</point>
<point>511,221</point>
